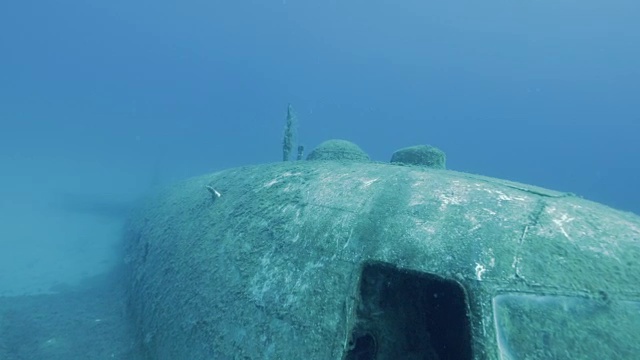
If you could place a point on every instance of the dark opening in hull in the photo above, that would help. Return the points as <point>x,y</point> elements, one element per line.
<point>404,314</point>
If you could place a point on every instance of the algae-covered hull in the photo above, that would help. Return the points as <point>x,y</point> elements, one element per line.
<point>361,260</point>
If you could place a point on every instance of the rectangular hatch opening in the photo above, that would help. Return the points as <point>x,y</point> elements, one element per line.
<point>403,314</point>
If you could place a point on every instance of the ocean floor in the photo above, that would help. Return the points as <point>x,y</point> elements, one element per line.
<point>60,246</point>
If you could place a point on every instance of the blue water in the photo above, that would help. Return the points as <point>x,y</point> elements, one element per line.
<point>101,100</point>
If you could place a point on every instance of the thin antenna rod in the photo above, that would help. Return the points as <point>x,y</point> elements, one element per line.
<point>289,134</point>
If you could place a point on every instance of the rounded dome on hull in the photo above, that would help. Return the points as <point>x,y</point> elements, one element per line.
<point>352,260</point>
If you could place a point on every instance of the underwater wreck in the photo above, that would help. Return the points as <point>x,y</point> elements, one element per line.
<point>338,257</point>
